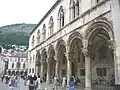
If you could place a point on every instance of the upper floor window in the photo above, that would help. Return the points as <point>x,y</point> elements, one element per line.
<point>98,1</point>
<point>33,40</point>
<point>61,17</point>
<point>51,24</point>
<point>12,65</point>
<point>74,9</point>
<point>44,32</point>
<point>77,8</point>
<point>38,36</point>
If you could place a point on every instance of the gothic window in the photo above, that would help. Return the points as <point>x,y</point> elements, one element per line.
<point>44,32</point>
<point>97,1</point>
<point>33,40</point>
<point>72,9</point>
<point>51,26</point>
<point>12,65</point>
<point>77,8</point>
<point>38,36</point>
<point>61,17</point>
<point>101,72</point>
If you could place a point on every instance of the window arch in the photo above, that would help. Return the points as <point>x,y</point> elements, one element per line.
<point>61,17</point>
<point>77,8</point>
<point>44,32</point>
<point>38,36</point>
<point>33,40</point>
<point>51,26</point>
<point>72,9</point>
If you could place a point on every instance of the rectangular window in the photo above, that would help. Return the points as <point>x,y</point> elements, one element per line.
<point>33,70</point>
<point>82,72</point>
<point>29,70</point>
<point>101,71</point>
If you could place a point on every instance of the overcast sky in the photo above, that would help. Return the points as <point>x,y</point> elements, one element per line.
<point>23,11</point>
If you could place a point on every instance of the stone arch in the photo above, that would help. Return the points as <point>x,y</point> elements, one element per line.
<point>98,35</point>
<point>51,63</point>
<point>73,36</point>
<point>38,59</point>
<point>43,54</point>
<point>102,23</point>
<point>61,58</point>
<point>49,50</point>
<point>44,62</point>
<point>75,45</point>
<point>60,42</point>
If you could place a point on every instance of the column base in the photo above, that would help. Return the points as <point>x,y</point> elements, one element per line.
<point>88,88</point>
<point>47,82</point>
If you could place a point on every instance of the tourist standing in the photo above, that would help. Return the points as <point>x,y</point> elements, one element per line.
<point>71,84</point>
<point>11,83</point>
<point>64,82</point>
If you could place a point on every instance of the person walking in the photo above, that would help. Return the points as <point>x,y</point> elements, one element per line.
<point>71,84</point>
<point>11,83</point>
<point>31,84</point>
<point>64,82</point>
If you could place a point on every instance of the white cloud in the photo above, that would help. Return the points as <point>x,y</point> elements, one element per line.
<point>23,11</point>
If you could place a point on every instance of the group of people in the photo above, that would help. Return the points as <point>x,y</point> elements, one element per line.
<point>35,82</point>
<point>11,80</point>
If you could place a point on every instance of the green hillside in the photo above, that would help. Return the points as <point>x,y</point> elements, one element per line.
<point>15,34</point>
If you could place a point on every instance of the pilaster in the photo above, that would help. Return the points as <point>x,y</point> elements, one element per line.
<point>116,26</point>
<point>87,66</point>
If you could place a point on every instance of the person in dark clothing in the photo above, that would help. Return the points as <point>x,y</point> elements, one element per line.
<point>2,78</point>
<point>31,85</point>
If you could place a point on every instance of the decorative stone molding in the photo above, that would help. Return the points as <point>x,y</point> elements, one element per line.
<point>111,44</point>
<point>69,56</point>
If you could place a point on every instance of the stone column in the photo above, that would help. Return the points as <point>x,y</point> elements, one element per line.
<point>69,73</point>
<point>48,71</point>
<point>87,66</point>
<point>42,68</point>
<point>56,66</point>
<point>116,26</point>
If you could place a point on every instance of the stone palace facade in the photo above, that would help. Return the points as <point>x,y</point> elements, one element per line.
<point>79,38</point>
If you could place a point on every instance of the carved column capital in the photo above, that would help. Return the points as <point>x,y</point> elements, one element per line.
<point>42,62</point>
<point>69,56</point>
<point>85,51</point>
<point>49,59</point>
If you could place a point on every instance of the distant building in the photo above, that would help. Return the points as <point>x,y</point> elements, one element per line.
<point>17,63</point>
<point>2,64</point>
<point>79,38</point>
